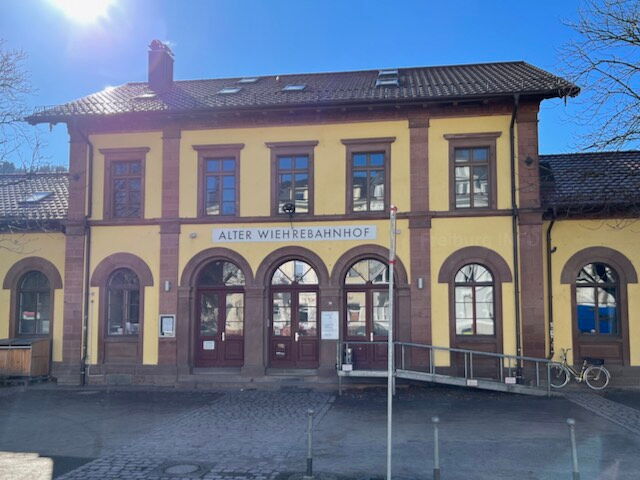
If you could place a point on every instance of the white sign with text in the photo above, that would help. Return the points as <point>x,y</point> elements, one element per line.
<point>294,234</point>
<point>329,325</point>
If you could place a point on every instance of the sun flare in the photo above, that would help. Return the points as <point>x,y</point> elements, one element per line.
<point>83,11</point>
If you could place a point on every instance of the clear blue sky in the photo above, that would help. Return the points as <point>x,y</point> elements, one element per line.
<point>218,38</point>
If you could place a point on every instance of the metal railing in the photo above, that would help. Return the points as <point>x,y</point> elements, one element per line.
<point>476,365</point>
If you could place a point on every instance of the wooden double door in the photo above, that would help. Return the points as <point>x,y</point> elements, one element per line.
<point>219,338</point>
<point>294,327</point>
<point>367,320</point>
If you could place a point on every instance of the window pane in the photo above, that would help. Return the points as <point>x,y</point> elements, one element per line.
<point>359,191</point>
<point>115,312</point>
<point>229,165</point>
<point>234,322</point>
<point>132,326</point>
<point>484,311</point>
<point>229,181</point>
<point>228,208</point>
<point>34,281</point>
<point>607,311</point>
<point>28,312</point>
<point>282,313</point>
<point>359,159</point>
<point>464,310</point>
<point>462,155</point>
<point>120,168</point>
<point>307,314</point>
<point>381,313</point>
<point>213,165</point>
<point>462,174</point>
<point>586,310</point>
<point>302,163</point>
<point>480,154</point>
<point>356,314</point>
<point>284,163</point>
<point>228,195</point>
<point>119,185</point>
<point>376,159</point>
<point>135,168</point>
<point>376,190</point>
<point>209,314</point>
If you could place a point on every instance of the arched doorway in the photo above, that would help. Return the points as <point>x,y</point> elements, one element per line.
<point>219,328</point>
<point>294,328</point>
<point>366,317</point>
<point>34,305</point>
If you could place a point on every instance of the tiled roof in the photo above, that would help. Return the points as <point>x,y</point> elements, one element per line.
<point>339,88</point>
<point>590,180</point>
<point>15,190</point>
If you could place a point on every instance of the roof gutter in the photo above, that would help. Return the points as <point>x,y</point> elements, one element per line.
<point>514,225</point>
<point>87,259</point>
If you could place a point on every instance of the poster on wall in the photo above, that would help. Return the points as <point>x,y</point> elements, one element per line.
<point>329,324</point>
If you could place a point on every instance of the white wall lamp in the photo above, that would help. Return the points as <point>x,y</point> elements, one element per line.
<point>420,283</point>
<point>167,285</point>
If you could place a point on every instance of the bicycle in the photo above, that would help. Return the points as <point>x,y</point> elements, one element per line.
<point>593,372</point>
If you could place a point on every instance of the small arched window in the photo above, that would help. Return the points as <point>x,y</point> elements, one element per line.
<point>123,303</point>
<point>34,304</point>
<point>597,300</point>
<point>474,301</point>
<point>295,272</point>
<point>220,273</point>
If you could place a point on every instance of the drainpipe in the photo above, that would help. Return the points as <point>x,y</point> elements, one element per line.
<point>550,250</point>
<point>87,257</point>
<point>514,223</point>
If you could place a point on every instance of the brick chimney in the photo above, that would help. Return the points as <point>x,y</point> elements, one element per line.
<point>160,66</point>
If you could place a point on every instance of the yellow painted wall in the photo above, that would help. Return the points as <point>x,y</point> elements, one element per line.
<point>254,253</point>
<point>571,236</point>
<point>439,181</point>
<point>153,169</point>
<point>329,163</point>
<point>144,242</point>
<point>449,235</point>
<point>17,247</point>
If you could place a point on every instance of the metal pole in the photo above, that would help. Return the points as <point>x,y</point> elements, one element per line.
<point>390,382</point>
<point>574,452</point>
<point>436,449</point>
<point>309,474</point>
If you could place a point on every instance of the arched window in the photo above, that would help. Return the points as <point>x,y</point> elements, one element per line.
<point>34,304</point>
<point>123,303</point>
<point>474,301</point>
<point>597,300</point>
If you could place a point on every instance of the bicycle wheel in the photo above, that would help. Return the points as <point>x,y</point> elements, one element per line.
<point>559,376</point>
<point>597,377</point>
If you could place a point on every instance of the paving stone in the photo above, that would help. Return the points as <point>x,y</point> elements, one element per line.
<point>615,412</point>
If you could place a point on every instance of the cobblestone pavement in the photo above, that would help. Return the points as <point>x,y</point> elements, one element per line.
<point>615,412</point>
<point>242,435</point>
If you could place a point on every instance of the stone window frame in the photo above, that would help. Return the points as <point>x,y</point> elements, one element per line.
<point>367,145</point>
<point>114,155</point>
<point>626,273</point>
<point>12,282</point>
<point>212,152</point>
<point>474,140</point>
<point>501,273</point>
<point>100,278</point>
<point>301,148</point>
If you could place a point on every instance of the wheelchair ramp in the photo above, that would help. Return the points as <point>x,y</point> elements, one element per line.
<point>474,369</point>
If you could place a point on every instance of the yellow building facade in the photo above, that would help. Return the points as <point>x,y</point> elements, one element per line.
<point>246,244</point>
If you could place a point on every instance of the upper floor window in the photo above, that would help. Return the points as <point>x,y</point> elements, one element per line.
<point>126,177</point>
<point>368,174</point>
<point>293,182</point>
<point>292,176</point>
<point>220,186</point>
<point>218,179</point>
<point>472,170</point>
<point>124,182</point>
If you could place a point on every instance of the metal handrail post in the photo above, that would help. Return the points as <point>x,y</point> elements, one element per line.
<point>432,367</point>
<point>471,364</point>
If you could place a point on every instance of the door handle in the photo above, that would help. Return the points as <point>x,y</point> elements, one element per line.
<point>371,336</point>
<point>297,336</point>
<point>223,337</point>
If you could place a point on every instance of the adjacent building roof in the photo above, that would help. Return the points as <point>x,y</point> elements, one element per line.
<point>599,180</point>
<point>33,196</point>
<point>421,84</point>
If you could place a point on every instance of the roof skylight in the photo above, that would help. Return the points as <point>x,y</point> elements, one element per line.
<point>388,78</point>
<point>248,80</point>
<point>36,197</point>
<point>228,90</point>
<point>294,87</point>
